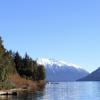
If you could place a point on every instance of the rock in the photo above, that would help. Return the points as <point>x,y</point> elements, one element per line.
<point>8,92</point>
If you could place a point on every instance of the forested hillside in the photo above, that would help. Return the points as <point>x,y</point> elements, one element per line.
<point>13,64</point>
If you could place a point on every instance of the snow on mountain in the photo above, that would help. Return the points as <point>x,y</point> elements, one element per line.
<point>51,62</point>
<point>57,70</point>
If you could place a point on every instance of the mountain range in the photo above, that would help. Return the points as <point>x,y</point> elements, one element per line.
<point>94,76</point>
<point>60,71</point>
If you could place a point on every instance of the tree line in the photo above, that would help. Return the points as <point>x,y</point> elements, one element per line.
<point>14,63</point>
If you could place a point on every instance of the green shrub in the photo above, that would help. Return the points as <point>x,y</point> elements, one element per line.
<point>6,85</point>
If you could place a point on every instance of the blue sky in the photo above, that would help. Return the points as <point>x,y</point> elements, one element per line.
<point>60,29</point>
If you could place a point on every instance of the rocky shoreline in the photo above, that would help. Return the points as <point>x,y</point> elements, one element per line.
<point>12,91</point>
<point>36,86</point>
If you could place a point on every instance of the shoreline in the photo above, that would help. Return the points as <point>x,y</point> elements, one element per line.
<point>38,85</point>
<point>12,91</point>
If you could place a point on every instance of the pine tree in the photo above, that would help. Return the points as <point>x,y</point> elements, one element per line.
<point>34,70</point>
<point>18,63</point>
<point>41,72</point>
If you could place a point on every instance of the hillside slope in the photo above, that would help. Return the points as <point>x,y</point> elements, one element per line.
<point>94,76</point>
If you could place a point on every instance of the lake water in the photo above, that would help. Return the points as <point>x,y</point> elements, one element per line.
<point>62,91</point>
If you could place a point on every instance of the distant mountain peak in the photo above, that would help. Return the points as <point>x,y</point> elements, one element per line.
<point>58,70</point>
<point>60,63</point>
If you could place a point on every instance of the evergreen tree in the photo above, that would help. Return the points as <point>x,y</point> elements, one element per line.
<point>34,70</point>
<point>41,72</point>
<point>18,63</point>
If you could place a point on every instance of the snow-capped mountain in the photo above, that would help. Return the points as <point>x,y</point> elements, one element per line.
<point>57,70</point>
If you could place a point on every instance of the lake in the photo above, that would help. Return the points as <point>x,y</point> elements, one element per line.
<point>62,91</point>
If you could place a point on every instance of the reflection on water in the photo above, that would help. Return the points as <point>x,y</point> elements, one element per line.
<point>62,91</point>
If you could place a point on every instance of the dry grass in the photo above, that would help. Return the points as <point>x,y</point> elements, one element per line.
<point>26,84</point>
<point>41,84</point>
<point>22,83</point>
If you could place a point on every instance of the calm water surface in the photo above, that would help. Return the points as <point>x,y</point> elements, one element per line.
<point>62,91</point>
